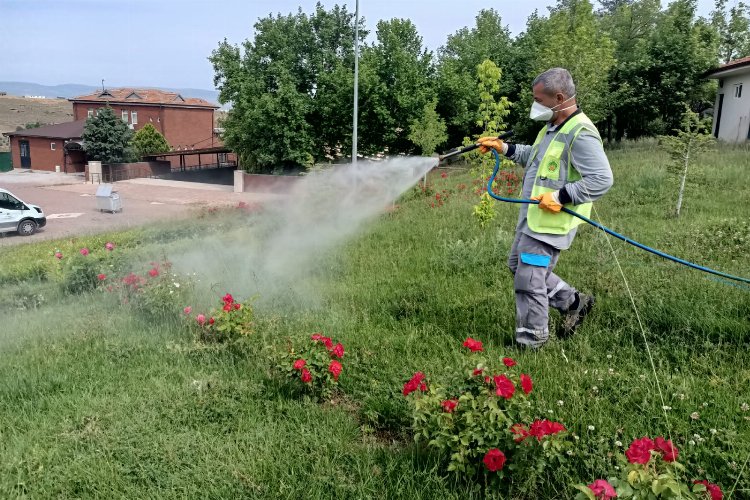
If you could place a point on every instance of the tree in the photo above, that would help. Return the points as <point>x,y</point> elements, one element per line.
<point>456,73</point>
<point>428,131</point>
<point>149,141</point>
<point>106,137</point>
<point>693,138</point>
<point>733,29</point>
<point>492,114</point>
<point>290,88</point>
<point>397,83</point>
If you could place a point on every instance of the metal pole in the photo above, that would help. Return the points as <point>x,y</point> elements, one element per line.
<point>356,84</point>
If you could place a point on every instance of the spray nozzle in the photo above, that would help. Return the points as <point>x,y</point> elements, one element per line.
<point>504,135</point>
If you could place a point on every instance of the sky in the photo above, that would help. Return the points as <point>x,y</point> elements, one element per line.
<point>166,43</point>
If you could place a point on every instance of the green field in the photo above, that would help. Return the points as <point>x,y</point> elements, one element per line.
<point>96,401</point>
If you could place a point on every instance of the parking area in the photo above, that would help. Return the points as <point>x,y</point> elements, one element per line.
<point>70,204</point>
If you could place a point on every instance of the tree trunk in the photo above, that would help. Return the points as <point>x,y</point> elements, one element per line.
<point>684,178</point>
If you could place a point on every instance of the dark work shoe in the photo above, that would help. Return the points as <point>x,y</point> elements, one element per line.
<point>574,317</point>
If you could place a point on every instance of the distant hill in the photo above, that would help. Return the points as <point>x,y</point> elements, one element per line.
<point>68,90</point>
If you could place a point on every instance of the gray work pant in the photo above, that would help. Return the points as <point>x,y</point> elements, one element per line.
<point>537,288</point>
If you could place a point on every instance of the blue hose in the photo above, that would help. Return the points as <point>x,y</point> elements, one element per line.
<point>609,231</point>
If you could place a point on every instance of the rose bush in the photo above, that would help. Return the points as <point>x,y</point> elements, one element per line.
<point>314,365</point>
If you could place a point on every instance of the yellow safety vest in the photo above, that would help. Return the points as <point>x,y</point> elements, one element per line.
<point>555,170</point>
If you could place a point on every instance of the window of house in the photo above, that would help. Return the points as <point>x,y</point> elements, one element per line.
<point>738,90</point>
<point>91,112</point>
<point>52,146</point>
<point>124,116</point>
<point>134,117</point>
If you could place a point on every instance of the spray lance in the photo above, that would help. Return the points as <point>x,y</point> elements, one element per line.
<point>617,235</point>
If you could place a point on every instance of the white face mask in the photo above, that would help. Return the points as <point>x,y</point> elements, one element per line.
<point>542,113</point>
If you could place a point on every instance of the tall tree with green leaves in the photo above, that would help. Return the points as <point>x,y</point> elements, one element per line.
<point>396,83</point>
<point>428,131</point>
<point>692,139</point>
<point>290,88</point>
<point>148,141</point>
<point>733,29</point>
<point>106,137</point>
<point>456,71</point>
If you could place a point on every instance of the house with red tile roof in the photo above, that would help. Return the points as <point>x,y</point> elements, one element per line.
<point>732,107</point>
<point>186,123</point>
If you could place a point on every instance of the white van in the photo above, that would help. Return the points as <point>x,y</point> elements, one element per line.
<point>15,215</point>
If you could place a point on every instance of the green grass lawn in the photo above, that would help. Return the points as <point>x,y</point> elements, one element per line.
<point>98,402</point>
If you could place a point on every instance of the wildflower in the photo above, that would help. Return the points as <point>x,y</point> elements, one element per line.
<point>609,356</point>
<point>176,285</point>
<point>639,451</point>
<point>306,376</point>
<point>713,490</point>
<point>494,460</point>
<point>187,310</point>
<point>526,384</point>
<point>413,383</point>
<point>595,389</point>
<point>705,404</point>
<point>473,345</point>
<point>299,364</point>
<point>201,319</point>
<point>602,489</point>
<point>153,272</point>
<point>84,251</point>
<point>691,442</point>
<point>58,255</point>
<point>611,371</point>
<point>504,387</point>
<point>101,276</point>
<point>667,449</point>
<point>618,444</point>
<point>745,407</point>
<point>560,402</point>
<point>449,405</point>
<point>335,368</point>
<point>443,175</point>
<point>109,246</point>
<point>712,431</point>
<point>591,428</point>
<point>509,362</point>
<point>666,408</point>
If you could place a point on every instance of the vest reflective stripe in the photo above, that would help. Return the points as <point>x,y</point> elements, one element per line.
<point>555,170</point>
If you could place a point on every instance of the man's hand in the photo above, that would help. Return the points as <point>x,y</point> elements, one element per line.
<point>487,143</point>
<point>549,202</point>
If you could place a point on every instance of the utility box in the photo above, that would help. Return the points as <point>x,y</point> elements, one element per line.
<point>107,199</point>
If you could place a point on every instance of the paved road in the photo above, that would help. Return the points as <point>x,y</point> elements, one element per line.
<point>70,204</point>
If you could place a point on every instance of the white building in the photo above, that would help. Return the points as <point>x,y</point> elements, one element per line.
<point>732,107</point>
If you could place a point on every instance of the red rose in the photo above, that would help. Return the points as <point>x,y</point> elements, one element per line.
<point>200,319</point>
<point>299,364</point>
<point>520,431</point>
<point>509,362</point>
<point>494,460</point>
<point>315,337</point>
<point>227,307</point>
<point>541,428</point>
<point>84,251</point>
<point>413,383</point>
<point>228,299</point>
<point>487,380</point>
<point>237,306</point>
<point>101,277</point>
<point>325,340</point>
<point>526,384</point>
<point>153,272</point>
<point>640,451</point>
<point>211,321</point>
<point>713,490</point>
<point>602,489</point>
<point>449,405</point>
<point>443,175</point>
<point>423,387</point>
<point>338,350</point>
<point>59,255</point>
<point>504,387</point>
<point>306,376</point>
<point>477,371</point>
<point>667,449</point>
<point>335,368</point>
<point>473,345</point>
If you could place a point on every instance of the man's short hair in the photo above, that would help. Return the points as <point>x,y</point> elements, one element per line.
<point>556,80</point>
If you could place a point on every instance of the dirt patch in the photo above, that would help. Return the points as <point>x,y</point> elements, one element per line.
<point>17,112</point>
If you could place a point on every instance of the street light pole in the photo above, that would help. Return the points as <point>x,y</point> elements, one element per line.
<point>356,84</point>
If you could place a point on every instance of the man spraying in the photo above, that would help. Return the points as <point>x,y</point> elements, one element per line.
<point>567,166</point>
